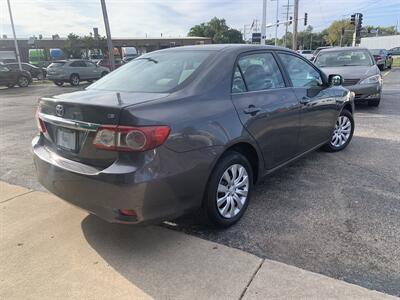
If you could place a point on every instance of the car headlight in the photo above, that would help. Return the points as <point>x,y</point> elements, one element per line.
<point>372,79</point>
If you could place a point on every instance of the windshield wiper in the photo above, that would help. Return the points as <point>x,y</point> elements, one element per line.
<point>149,59</point>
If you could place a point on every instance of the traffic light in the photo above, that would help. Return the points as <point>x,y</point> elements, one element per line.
<point>359,23</point>
<point>290,20</point>
<point>305,19</point>
<point>353,19</point>
<point>277,23</point>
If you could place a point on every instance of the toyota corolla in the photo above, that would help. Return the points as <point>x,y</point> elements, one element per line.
<point>187,128</point>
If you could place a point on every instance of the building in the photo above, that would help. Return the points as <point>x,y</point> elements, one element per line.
<point>142,45</point>
<point>381,42</point>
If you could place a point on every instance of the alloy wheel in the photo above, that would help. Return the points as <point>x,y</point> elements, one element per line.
<point>23,81</point>
<point>342,131</point>
<point>232,191</point>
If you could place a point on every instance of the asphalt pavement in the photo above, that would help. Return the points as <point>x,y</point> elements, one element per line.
<point>332,213</point>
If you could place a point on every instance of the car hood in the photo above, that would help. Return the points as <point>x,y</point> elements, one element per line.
<point>347,72</point>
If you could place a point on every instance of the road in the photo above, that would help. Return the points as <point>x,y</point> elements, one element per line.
<point>332,213</point>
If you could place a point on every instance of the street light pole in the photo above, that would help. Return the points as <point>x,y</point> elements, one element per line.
<point>15,37</point>
<point>264,23</point>
<point>277,21</point>
<point>109,41</point>
<point>295,21</point>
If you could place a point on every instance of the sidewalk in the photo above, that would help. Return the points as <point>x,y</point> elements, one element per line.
<point>51,250</point>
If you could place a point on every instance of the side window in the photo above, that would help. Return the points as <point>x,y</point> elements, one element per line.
<point>261,72</point>
<point>301,73</point>
<point>238,85</point>
<point>90,64</point>
<point>75,64</point>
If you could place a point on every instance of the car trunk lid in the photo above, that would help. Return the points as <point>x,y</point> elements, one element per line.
<point>71,122</point>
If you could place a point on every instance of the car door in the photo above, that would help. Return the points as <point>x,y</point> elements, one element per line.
<point>93,71</point>
<point>267,107</point>
<point>318,103</point>
<point>79,67</point>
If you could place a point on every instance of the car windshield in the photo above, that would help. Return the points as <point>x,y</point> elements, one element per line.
<point>375,51</point>
<point>154,72</point>
<point>343,58</point>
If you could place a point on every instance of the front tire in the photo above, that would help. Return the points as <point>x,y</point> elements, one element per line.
<point>23,81</point>
<point>74,80</point>
<point>342,133</point>
<point>228,191</point>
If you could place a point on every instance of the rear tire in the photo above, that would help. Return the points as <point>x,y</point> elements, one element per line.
<point>104,74</point>
<point>58,83</point>
<point>228,191</point>
<point>23,81</point>
<point>74,80</point>
<point>374,103</point>
<point>342,133</point>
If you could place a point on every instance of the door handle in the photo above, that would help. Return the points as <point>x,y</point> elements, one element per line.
<point>305,100</point>
<point>252,110</point>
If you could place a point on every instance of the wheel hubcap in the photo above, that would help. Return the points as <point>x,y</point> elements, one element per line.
<point>342,131</point>
<point>23,81</point>
<point>75,80</point>
<point>232,191</point>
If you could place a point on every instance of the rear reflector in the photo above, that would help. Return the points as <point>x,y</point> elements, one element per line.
<point>39,122</point>
<point>126,138</point>
<point>128,212</point>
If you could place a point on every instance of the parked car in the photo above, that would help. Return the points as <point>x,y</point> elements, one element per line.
<point>187,128</point>
<point>106,63</point>
<point>74,71</point>
<point>306,53</point>
<point>358,69</point>
<point>382,58</point>
<point>35,71</point>
<point>10,78</point>
<point>394,51</point>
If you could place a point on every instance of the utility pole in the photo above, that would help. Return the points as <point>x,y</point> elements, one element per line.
<point>295,21</point>
<point>15,37</point>
<point>288,6</point>
<point>109,41</point>
<point>277,21</point>
<point>264,23</point>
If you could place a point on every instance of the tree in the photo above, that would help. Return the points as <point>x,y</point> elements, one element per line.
<point>72,47</point>
<point>88,43</point>
<point>218,31</point>
<point>334,37</point>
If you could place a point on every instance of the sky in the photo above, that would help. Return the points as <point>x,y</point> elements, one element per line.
<point>174,18</point>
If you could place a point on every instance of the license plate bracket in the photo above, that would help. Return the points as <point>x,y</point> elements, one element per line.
<point>66,139</point>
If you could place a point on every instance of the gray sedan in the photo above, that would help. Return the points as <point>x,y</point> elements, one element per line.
<point>358,69</point>
<point>187,128</point>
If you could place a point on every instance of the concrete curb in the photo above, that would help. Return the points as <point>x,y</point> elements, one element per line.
<point>50,249</point>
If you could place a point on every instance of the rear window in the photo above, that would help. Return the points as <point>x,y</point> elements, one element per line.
<point>153,72</point>
<point>375,51</point>
<point>56,64</point>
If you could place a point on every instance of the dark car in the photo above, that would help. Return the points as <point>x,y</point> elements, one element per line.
<point>35,72</point>
<point>187,128</point>
<point>394,51</point>
<point>10,78</point>
<point>358,69</point>
<point>316,51</point>
<point>382,58</point>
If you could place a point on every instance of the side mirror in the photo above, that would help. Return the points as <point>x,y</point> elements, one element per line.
<point>335,80</point>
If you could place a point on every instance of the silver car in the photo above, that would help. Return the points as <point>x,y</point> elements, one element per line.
<point>74,71</point>
<point>358,68</point>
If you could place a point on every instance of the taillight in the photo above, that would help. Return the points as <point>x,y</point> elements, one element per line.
<point>39,122</point>
<point>377,57</point>
<point>126,138</point>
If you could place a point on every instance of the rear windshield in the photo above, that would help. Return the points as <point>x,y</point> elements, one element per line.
<point>307,52</point>
<point>153,72</point>
<point>344,58</point>
<point>56,64</point>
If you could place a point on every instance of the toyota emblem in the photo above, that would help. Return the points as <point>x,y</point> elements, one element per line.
<point>60,110</point>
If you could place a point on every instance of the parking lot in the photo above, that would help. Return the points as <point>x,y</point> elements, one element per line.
<point>332,213</point>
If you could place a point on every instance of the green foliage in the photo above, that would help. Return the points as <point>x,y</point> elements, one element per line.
<point>333,33</point>
<point>218,31</point>
<point>72,47</point>
<point>75,44</point>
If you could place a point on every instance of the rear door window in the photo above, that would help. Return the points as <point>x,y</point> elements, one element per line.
<point>260,72</point>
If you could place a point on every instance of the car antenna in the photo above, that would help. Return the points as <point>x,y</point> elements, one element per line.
<point>119,98</point>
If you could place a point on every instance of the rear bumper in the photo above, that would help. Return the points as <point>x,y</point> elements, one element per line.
<point>167,185</point>
<point>365,92</point>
